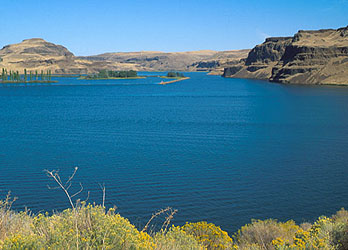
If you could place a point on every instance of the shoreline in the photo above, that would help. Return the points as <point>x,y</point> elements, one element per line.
<point>289,83</point>
<point>22,82</point>
<point>113,78</point>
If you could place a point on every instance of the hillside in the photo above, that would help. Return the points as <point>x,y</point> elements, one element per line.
<point>203,60</point>
<point>37,54</point>
<point>309,57</point>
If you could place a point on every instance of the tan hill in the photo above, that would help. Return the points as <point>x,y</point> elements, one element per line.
<point>309,57</point>
<point>37,54</point>
<point>202,60</point>
<point>220,60</point>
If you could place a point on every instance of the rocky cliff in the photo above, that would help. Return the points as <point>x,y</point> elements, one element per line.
<point>309,57</point>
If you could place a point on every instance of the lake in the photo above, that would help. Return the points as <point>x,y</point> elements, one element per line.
<point>216,149</point>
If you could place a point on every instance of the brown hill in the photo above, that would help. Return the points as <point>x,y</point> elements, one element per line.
<point>37,54</point>
<point>309,57</point>
<point>202,60</point>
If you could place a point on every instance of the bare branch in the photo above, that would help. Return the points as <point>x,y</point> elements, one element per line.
<point>49,187</point>
<point>68,186</point>
<point>168,219</point>
<point>154,216</point>
<point>72,176</point>
<point>103,190</point>
<point>78,191</point>
<point>53,174</point>
<point>87,197</point>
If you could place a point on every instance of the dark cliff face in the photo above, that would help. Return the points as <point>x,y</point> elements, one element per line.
<point>270,51</point>
<point>260,59</point>
<point>310,57</point>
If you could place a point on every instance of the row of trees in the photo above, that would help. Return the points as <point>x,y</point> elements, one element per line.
<point>113,74</point>
<point>175,74</point>
<point>15,76</point>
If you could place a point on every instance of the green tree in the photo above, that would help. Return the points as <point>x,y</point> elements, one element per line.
<point>123,74</point>
<point>25,75</point>
<point>36,75</point>
<point>103,74</point>
<point>171,74</point>
<point>131,73</point>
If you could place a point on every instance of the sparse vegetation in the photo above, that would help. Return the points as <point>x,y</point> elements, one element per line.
<point>175,74</point>
<point>108,74</point>
<point>92,226</point>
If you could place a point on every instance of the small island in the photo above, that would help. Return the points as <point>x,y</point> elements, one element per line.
<point>177,76</point>
<point>13,76</point>
<point>172,75</point>
<point>109,74</point>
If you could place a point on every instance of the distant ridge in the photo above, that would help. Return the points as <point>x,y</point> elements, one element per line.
<point>201,60</point>
<point>38,54</point>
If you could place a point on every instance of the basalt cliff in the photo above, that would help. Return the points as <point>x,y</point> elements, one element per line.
<point>309,57</point>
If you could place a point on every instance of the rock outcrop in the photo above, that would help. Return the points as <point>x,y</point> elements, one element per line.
<point>310,57</point>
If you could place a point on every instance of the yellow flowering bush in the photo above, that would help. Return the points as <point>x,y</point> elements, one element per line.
<point>85,227</point>
<point>176,238</point>
<point>92,227</point>
<point>317,237</point>
<point>209,235</point>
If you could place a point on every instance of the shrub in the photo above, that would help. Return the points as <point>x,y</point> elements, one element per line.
<point>317,237</point>
<point>10,221</point>
<point>85,227</point>
<point>341,216</point>
<point>92,227</point>
<point>261,234</point>
<point>339,236</point>
<point>209,235</point>
<point>176,238</point>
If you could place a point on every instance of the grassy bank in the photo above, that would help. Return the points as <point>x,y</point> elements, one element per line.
<point>89,226</point>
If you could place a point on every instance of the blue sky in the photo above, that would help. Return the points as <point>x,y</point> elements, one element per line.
<point>89,27</point>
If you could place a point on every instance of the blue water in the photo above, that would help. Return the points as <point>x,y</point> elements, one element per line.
<point>221,150</point>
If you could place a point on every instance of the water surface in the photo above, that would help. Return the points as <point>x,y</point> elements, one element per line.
<point>220,150</point>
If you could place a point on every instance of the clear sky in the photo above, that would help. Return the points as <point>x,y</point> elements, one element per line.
<point>88,27</point>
